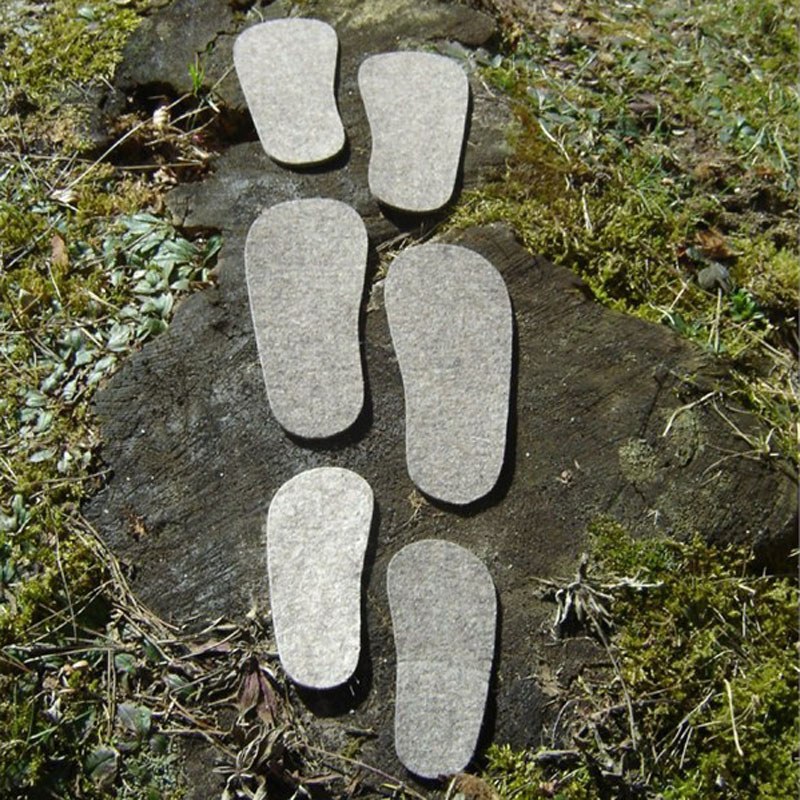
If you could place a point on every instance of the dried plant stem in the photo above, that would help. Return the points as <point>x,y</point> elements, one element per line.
<point>729,692</point>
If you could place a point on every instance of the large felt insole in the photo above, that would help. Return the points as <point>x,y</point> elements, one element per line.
<point>444,607</point>
<point>451,323</point>
<point>305,262</point>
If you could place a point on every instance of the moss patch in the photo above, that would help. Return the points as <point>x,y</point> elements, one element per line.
<point>657,141</point>
<point>86,278</point>
<point>68,41</point>
<point>637,461</point>
<point>706,657</point>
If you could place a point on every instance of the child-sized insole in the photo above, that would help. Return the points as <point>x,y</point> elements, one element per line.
<point>417,105</point>
<point>287,69</point>
<point>451,323</point>
<point>318,527</point>
<point>444,608</point>
<point>305,262</point>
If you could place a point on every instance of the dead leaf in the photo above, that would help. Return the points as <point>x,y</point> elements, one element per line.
<point>707,170</point>
<point>64,196</point>
<point>257,694</point>
<point>249,692</point>
<point>713,244</point>
<point>212,648</point>
<point>58,252</point>
<point>267,708</point>
<point>645,105</point>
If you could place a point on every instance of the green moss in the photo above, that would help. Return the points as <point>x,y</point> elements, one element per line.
<point>770,272</point>
<point>85,279</point>
<point>513,774</point>
<point>68,41</point>
<point>652,140</point>
<point>708,656</point>
<point>707,628</point>
<point>623,555</point>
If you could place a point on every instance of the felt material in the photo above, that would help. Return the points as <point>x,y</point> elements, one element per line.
<point>451,323</point>
<point>444,609</point>
<point>318,526</point>
<point>287,69</point>
<point>305,262</point>
<point>417,108</point>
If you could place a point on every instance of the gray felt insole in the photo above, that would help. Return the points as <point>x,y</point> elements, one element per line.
<point>451,324</point>
<point>318,526</point>
<point>444,607</point>
<point>287,69</point>
<point>305,262</point>
<point>417,108</point>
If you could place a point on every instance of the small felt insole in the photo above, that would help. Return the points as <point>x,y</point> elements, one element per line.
<point>452,329</point>
<point>417,105</point>
<point>318,526</point>
<point>287,69</point>
<point>444,608</point>
<point>305,262</point>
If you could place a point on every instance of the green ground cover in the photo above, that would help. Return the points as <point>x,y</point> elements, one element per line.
<point>87,276</point>
<point>703,701</point>
<point>655,140</point>
<point>657,144</point>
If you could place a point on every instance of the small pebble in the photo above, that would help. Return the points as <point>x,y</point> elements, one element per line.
<point>714,277</point>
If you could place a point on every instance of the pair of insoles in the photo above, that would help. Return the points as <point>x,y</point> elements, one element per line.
<point>451,324</point>
<point>442,602</point>
<point>416,104</point>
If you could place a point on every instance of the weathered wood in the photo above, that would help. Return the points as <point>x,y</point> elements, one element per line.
<point>197,456</point>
